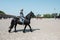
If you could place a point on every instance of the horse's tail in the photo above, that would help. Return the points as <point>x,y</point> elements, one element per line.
<point>12,23</point>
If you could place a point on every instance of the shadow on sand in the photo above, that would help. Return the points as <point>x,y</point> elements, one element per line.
<point>27,30</point>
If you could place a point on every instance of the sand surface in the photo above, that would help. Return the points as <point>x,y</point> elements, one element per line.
<point>43,29</point>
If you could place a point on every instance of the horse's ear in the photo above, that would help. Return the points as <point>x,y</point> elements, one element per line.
<point>32,14</point>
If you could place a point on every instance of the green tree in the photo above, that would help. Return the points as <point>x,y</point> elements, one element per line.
<point>1,12</point>
<point>47,15</point>
<point>59,15</point>
<point>54,15</point>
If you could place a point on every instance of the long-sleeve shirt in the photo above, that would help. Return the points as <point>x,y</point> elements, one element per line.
<point>21,14</point>
<point>21,17</point>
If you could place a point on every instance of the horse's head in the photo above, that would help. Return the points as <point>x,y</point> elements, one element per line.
<point>32,14</point>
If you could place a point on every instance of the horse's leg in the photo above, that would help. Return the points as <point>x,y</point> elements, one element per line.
<point>30,28</point>
<point>11,26</point>
<point>24,28</point>
<point>15,27</point>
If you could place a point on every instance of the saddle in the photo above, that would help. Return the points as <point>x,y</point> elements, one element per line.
<point>23,21</point>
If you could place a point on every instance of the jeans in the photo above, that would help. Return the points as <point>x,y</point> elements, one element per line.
<point>22,19</point>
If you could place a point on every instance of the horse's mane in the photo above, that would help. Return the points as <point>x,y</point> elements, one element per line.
<point>27,16</point>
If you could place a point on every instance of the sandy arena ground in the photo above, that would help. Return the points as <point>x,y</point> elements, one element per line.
<point>43,29</point>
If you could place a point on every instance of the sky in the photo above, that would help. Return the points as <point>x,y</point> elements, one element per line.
<point>13,7</point>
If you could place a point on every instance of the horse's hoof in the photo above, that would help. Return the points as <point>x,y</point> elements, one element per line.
<point>23,31</point>
<point>9,31</point>
<point>31,30</point>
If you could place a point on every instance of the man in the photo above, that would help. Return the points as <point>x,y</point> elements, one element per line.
<point>22,16</point>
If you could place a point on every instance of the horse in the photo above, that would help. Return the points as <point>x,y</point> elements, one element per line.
<point>16,21</point>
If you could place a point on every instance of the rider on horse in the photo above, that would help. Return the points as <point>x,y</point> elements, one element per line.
<point>22,16</point>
